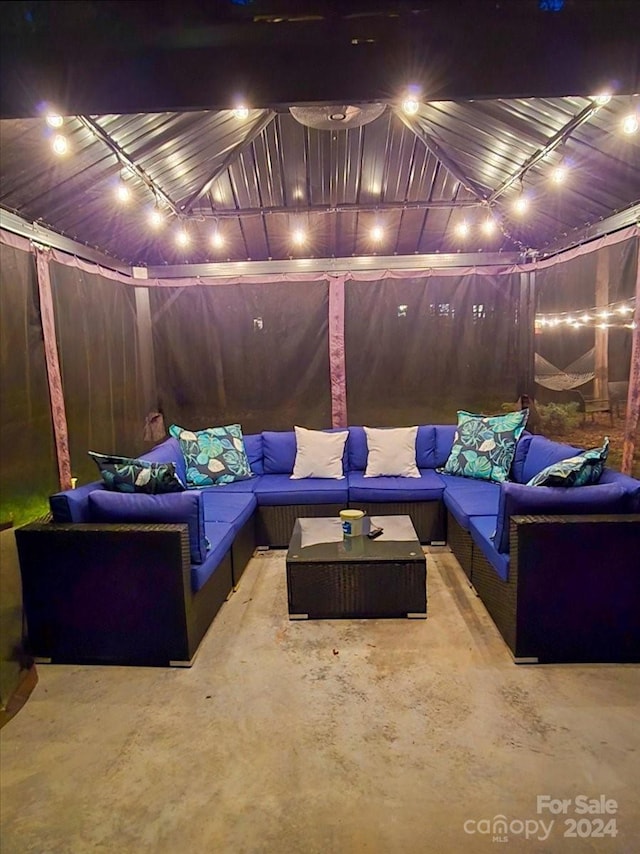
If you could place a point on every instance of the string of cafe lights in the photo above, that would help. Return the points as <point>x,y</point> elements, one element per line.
<point>616,315</point>
<point>485,227</point>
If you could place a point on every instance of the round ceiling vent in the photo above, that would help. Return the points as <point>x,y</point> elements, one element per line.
<point>337,117</point>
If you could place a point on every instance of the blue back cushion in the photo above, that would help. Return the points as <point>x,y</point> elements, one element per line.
<point>522,449</point>
<point>169,508</point>
<point>168,451</point>
<point>516,499</point>
<point>72,505</point>
<point>444,442</point>
<point>278,451</point>
<point>543,452</point>
<point>253,448</point>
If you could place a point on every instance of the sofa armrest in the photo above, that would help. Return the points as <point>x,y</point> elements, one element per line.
<point>107,593</point>
<point>576,587</point>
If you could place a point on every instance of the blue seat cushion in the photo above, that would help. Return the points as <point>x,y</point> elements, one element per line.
<point>220,536</point>
<point>427,487</point>
<point>238,486</point>
<point>517,499</point>
<point>222,506</point>
<point>481,529</point>
<point>279,489</point>
<point>168,508</point>
<point>464,498</point>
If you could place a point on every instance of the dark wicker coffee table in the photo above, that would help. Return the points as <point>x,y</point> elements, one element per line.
<point>328,576</point>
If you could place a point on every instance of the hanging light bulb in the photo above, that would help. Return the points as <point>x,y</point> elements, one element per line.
<point>462,228</point>
<point>411,105</point>
<point>602,98</point>
<point>377,233</point>
<point>182,237</point>
<point>217,240</point>
<point>54,120</point>
<point>521,205</point>
<point>630,123</point>
<point>559,174</point>
<point>155,218</point>
<point>299,237</point>
<point>123,194</point>
<point>241,112</point>
<point>59,144</point>
<point>489,226</point>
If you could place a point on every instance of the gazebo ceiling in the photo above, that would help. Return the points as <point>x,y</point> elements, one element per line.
<point>315,178</point>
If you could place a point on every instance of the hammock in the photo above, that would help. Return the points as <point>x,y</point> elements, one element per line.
<point>576,374</point>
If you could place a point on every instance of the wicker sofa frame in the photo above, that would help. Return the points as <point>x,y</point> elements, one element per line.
<point>571,594</point>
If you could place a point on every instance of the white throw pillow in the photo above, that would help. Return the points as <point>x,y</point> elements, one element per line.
<point>319,454</point>
<point>392,451</point>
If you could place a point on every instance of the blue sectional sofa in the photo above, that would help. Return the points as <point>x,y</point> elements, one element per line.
<point>138,578</point>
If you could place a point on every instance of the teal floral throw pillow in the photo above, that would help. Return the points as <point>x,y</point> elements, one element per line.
<point>484,446</point>
<point>214,456</point>
<point>582,470</point>
<point>124,474</point>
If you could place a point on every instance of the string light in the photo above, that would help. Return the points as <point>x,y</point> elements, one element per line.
<point>630,123</point>
<point>602,99</point>
<point>54,120</point>
<point>411,105</point>
<point>299,237</point>
<point>377,233</point>
<point>521,205</point>
<point>59,144</point>
<point>217,240</point>
<point>489,225</point>
<point>614,316</point>
<point>559,174</point>
<point>462,228</point>
<point>155,218</point>
<point>182,237</point>
<point>241,112</point>
<point>122,192</point>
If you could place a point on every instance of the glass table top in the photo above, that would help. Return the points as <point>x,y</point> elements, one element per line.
<point>321,539</point>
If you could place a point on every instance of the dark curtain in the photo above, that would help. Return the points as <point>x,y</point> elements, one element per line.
<point>257,355</point>
<point>28,468</point>
<point>571,287</point>
<point>97,343</point>
<point>417,350</point>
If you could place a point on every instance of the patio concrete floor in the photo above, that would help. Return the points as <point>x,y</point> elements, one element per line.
<point>341,736</point>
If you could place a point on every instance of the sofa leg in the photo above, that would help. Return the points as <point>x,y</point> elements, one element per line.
<point>417,615</point>
<point>177,663</point>
<point>525,660</point>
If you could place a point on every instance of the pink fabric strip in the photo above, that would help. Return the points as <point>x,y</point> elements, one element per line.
<point>322,275</point>
<point>337,365</point>
<point>58,412</point>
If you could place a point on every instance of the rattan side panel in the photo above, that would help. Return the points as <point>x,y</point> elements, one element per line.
<point>205,604</point>
<point>357,589</point>
<point>274,525</point>
<point>243,548</point>
<point>428,517</point>
<point>109,593</point>
<point>460,543</point>
<point>499,597</point>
